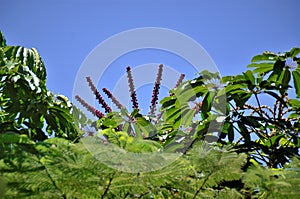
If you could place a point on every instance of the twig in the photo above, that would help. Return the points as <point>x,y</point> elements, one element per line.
<point>198,190</point>
<point>53,181</point>
<point>107,187</point>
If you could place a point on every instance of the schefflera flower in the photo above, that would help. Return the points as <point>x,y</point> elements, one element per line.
<point>113,98</point>
<point>179,81</point>
<point>155,91</point>
<point>132,89</point>
<point>91,109</point>
<point>98,95</point>
<point>91,131</point>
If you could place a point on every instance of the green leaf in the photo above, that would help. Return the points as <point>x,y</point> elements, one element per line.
<point>145,126</point>
<point>244,132</point>
<point>14,138</point>
<point>294,103</point>
<point>139,132</point>
<point>273,140</point>
<point>2,40</point>
<point>251,121</point>
<point>207,103</point>
<point>294,115</point>
<point>186,95</point>
<point>168,101</point>
<point>188,117</point>
<point>241,98</point>
<point>266,56</point>
<point>171,113</point>
<point>234,87</point>
<point>294,52</point>
<point>228,129</point>
<point>277,69</point>
<point>264,70</point>
<point>249,77</point>
<point>134,112</point>
<point>284,79</point>
<point>296,77</point>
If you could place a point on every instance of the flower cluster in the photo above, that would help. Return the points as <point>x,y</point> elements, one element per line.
<point>131,88</point>
<point>98,96</point>
<point>89,107</point>
<point>156,88</point>
<point>179,81</point>
<point>114,100</point>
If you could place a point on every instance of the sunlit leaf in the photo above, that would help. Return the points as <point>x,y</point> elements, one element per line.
<point>296,78</point>
<point>294,52</point>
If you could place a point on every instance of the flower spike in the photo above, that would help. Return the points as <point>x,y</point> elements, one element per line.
<point>98,96</point>
<point>179,81</point>
<point>89,107</point>
<point>131,88</point>
<point>155,91</point>
<point>114,100</point>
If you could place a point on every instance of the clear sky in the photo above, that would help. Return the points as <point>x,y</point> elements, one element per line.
<point>66,31</point>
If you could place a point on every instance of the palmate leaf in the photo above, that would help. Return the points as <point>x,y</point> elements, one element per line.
<point>263,64</point>
<point>27,57</point>
<point>27,100</point>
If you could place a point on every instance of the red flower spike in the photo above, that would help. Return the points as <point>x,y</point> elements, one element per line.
<point>98,96</point>
<point>114,100</point>
<point>179,81</point>
<point>131,88</point>
<point>94,111</point>
<point>155,91</point>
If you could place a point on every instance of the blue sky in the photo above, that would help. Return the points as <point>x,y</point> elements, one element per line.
<point>66,31</point>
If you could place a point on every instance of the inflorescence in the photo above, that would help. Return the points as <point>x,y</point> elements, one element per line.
<point>132,92</point>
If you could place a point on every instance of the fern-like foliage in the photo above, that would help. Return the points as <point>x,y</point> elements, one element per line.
<point>57,168</point>
<point>274,183</point>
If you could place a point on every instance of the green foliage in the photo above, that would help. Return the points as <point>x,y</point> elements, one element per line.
<point>194,110</point>
<point>66,170</point>
<point>274,183</point>
<point>227,143</point>
<point>61,169</point>
<point>270,135</point>
<point>27,107</point>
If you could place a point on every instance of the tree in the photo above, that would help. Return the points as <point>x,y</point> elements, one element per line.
<point>268,133</point>
<point>231,164</point>
<point>27,107</point>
